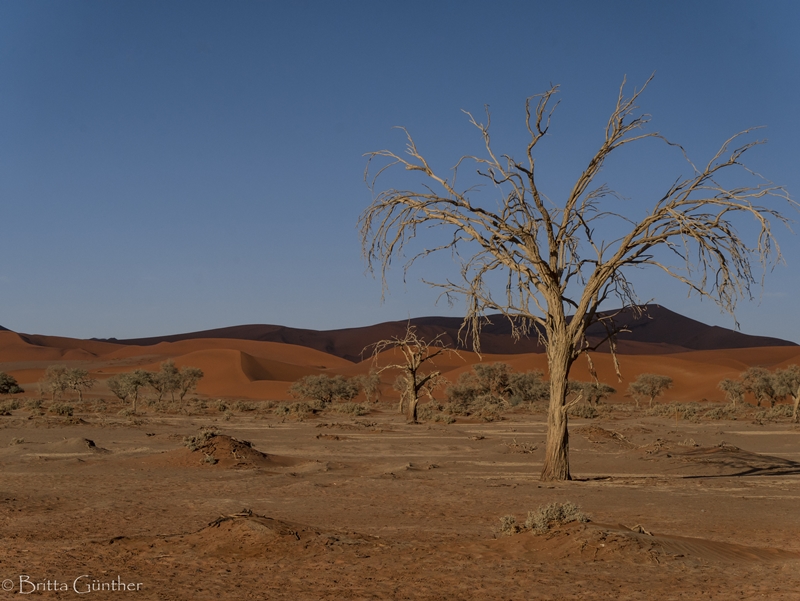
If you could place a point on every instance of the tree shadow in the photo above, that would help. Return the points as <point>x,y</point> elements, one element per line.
<point>737,462</point>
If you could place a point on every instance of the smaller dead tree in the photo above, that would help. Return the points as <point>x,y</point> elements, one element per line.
<point>417,357</point>
<point>649,386</point>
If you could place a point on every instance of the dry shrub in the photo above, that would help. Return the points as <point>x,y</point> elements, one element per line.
<point>195,442</point>
<point>242,406</point>
<point>776,413</point>
<point>8,406</point>
<point>349,408</point>
<point>61,409</point>
<point>521,447</point>
<point>583,410</point>
<point>725,412</point>
<point>486,407</point>
<point>508,525</point>
<point>299,410</point>
<point>542,519</point>
<point>687,411</point>
<point>554,514</point>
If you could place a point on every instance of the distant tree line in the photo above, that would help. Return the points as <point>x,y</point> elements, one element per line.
<point>167,380</point>
<point>765,386</point>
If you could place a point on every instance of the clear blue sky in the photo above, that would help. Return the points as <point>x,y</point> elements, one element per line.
<point>176,166</point>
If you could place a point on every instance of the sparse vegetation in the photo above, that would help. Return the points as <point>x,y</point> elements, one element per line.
<point>350,408</point>
<point>6,407</point>
<point>299,410</point>
<point>199,440</point>
<point>8,384</point>
<point>324,389</point>
<point>127,386</point>
<point>544,518</point>
<point>62,409</point>
<point>787,383</point>
<point>649,386</point>
<point>761,384</point>
<point>370,384</point>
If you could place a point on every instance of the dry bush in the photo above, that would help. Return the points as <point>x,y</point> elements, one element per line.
<point>687,411</point>
<point>350,408</point>
<point>299,410</point>
<point>8,406</point>
<point>486,407</point>
<point>508,525</point>
<point>199,440</point>
<point>542,519</point>
<point>243,406</point>
<point>324,389</point>
<point>583,410</point>
<point>774,414</point>
<point>554,514</point>
<point>33,404</point>
<point>61,409</point>
<point>520,447</point>
<point>729,411</point>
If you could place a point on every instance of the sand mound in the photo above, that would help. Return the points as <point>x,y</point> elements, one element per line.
<point>69,447</point>
<point>246,535</point>
<point>211,449</point>
<point>602,542</point>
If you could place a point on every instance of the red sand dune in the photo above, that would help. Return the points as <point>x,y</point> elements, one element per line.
<point>263,369</point>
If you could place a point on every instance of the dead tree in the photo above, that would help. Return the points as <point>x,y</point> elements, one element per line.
<point>417,357</point>
<point>554,256</point>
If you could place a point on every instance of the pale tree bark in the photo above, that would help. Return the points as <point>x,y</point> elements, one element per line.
<point>552,254</point>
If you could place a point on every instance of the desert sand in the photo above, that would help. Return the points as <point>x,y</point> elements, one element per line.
<point>338,507</point>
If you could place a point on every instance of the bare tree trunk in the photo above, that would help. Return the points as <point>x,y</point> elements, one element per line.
<point>796,398</point>
<point>412,409</point>
<point>556,458</point>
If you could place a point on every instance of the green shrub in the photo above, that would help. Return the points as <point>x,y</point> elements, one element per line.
<point>8,384</point>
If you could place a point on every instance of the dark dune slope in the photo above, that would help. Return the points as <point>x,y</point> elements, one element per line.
<point>658,331</point>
